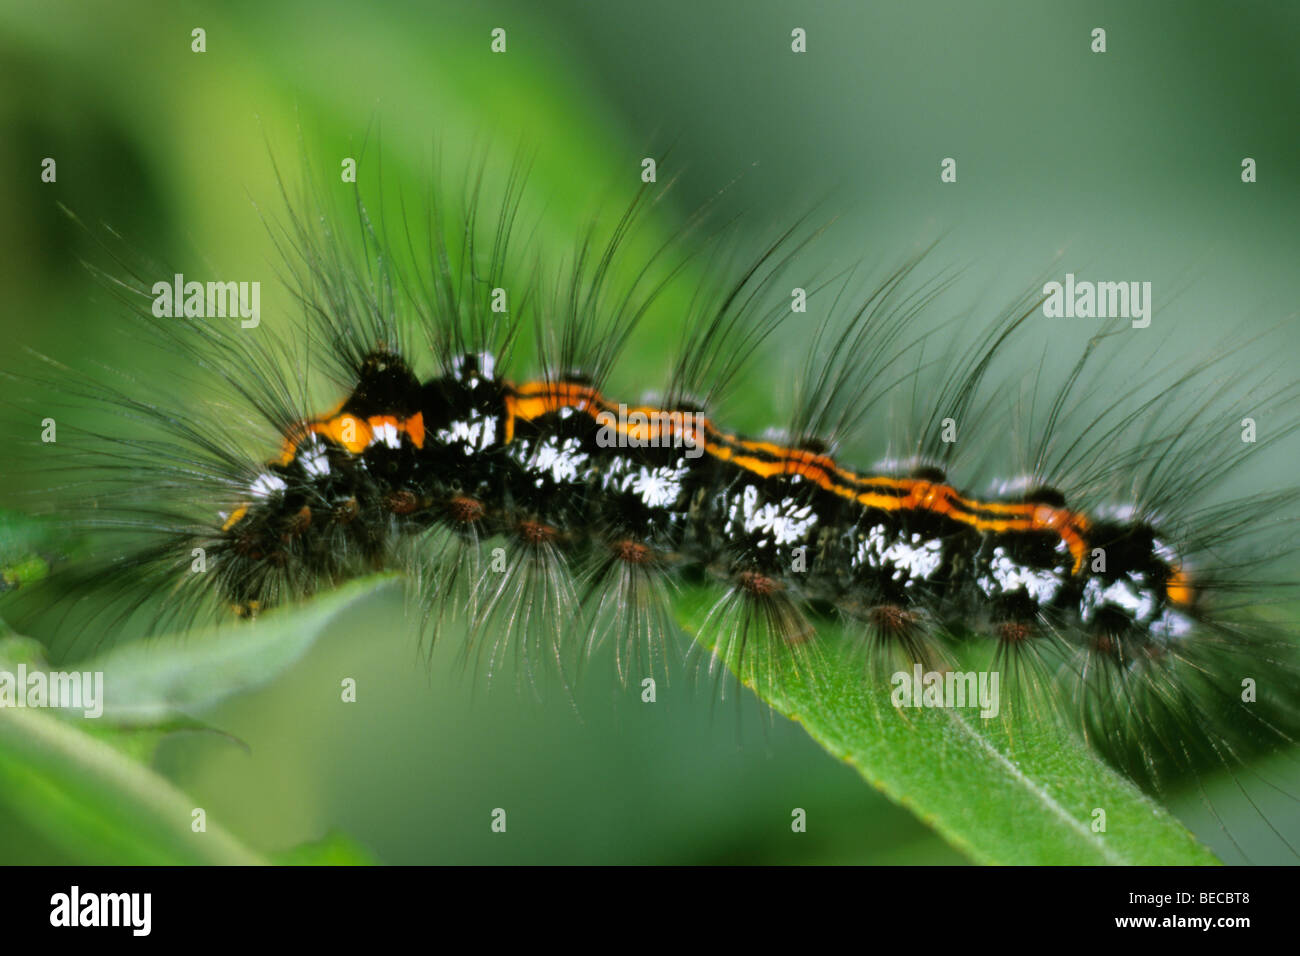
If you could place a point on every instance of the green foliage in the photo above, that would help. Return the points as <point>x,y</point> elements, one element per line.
<point>1002,790</point>
<point>26,547</point>
<point>178,677</point>
<point>333,849</point>
<point>84,783</point>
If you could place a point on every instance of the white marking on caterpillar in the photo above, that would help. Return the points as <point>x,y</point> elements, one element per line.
<point>1006,487</point>
<point>386,434</point>
<point>315,460</point>
<point>916,562</point>
<point>871,549</point>
<point>1008,576</point>
<point>912,563</point>
<point>487,366</point>
<point>1164,552</point>
<point>562,460</point>
<point>787,522</point>
<point>658,487</point>
<point>477,433</point>
<point>1138,601</point>
<point>266,485</point>
<point>1171,625</point>
<point>912,560</point>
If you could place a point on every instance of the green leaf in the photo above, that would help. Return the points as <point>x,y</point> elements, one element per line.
<point>139,743</point>
<point>171,679</point>
<point>17,650</point>
<point>96,803</point>
<point>26,547</point>
<point>334,849</point>
<point>1001,791</point>
<point>81,782</point>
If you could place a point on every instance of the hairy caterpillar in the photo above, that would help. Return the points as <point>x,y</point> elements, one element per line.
<point>554,516</point>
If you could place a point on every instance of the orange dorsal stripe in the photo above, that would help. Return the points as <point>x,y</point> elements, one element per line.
<point>767,459</point>
<point>353,433</point>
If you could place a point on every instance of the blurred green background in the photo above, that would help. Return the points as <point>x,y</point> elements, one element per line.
<point>1125,165</point>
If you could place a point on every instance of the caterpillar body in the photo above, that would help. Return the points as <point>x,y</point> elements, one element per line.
<point>548,461</point>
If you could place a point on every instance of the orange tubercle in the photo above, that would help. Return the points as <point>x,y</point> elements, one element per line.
<point>1179,588</point>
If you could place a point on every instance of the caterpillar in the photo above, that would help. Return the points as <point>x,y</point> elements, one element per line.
<point>522,494</point>
<point>534,461</point>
